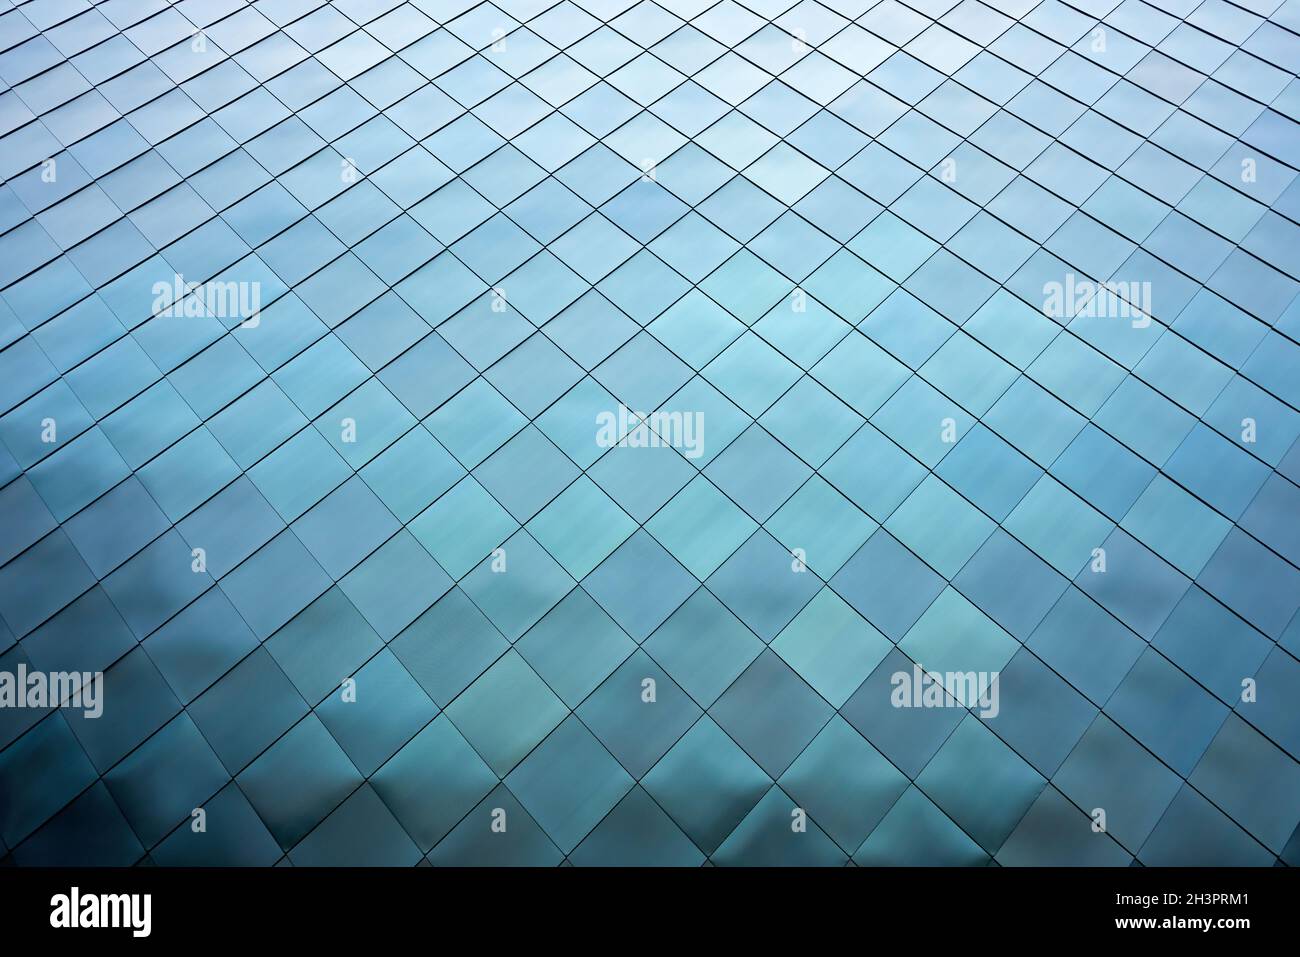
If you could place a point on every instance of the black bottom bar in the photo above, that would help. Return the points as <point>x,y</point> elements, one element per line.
<point>304,906</point>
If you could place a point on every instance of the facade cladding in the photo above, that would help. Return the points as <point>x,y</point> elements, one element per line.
<point>650,432</point>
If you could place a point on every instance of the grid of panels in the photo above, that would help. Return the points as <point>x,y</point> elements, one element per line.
<point>822,231</point>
